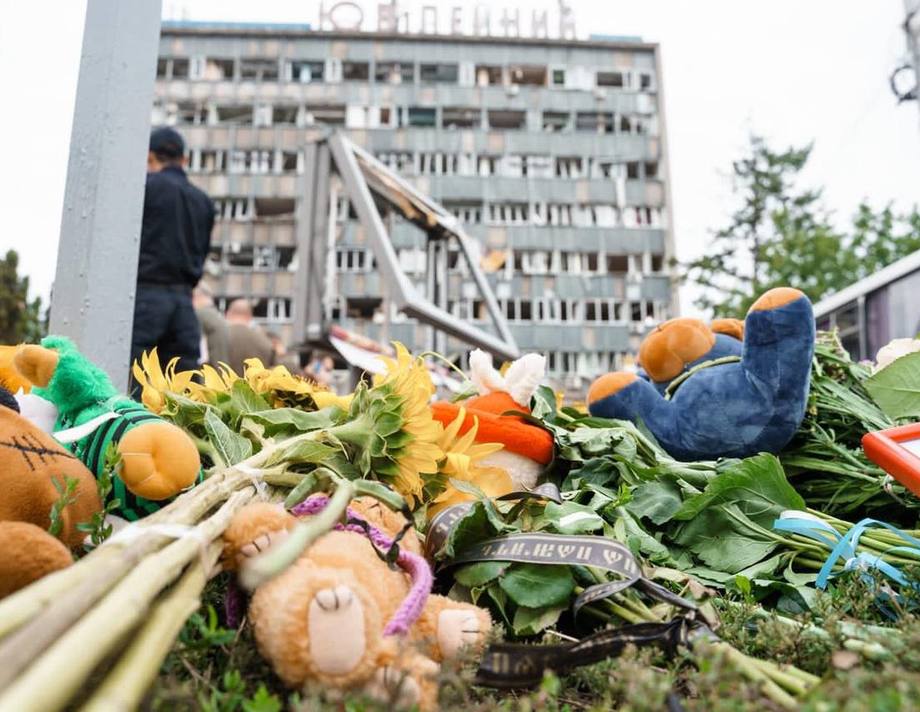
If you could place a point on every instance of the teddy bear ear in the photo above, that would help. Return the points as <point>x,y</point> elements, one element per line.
<point>524,376</point>
<point>483,374</point>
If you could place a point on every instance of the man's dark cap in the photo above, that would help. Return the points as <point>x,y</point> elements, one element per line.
<point>167,142</point>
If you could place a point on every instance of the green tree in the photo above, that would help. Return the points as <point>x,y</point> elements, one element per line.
<point>20,319</point>
<point>781,235</point>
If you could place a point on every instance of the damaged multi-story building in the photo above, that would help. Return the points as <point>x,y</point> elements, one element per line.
<point>551,152</point>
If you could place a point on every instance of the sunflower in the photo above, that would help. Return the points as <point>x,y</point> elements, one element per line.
<point>156,381</point>
<point>462,454</point>
<point>390,429</point>
<point>287,389</point>
<point>205,385</point>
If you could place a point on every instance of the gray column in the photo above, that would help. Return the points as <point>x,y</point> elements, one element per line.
<point>93,297</point>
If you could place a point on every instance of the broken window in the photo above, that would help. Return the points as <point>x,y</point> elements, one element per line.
<point>651,169</point>
<point>331,114</point>
<point>180,68</point>
<point>528,75</point>
<point>285,257</point>
<point>189,112</point>
<point>438,73</point>
<point>568,167</point>
<point>394,72</point>
<point>210,161</point>
<point>274,207</point>
<point>632,170</point>
<point>617,264</point>
<point>558,77</point>
<point>465,211</point>
<point>401,161</point>
<point>657,263</point>
<point>306,71</point>
<point>461,117</point>
<point>162,65</point>
<point>362,307</point>
<point>597,121</point>
<point>240,115</point>
<point>239,256</point>
<point>538,166</point>
<point>505,119</point>
<point>526,310</point>
<point>611,79</point>
<point>419,116</point>
<point>645,81</point>
<point>625,124</point>
<point>264,258</point>
<point>486,165</point>
<point>215,69</point>
<point>555,121</point>
<point>488,75</point>
<point>233,208</point>
<point>355,71</point>
<point>288,161</point>
<point>258,69</point>
<point>285,114</point>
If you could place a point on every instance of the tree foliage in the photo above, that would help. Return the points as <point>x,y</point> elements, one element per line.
<point>781,235</point>
<point>20,319</point>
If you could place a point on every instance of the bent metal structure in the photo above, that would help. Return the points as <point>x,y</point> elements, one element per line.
<point>335,163</point>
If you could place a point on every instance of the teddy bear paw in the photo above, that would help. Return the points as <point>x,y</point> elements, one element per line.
<point>263,542</point>
<point>457,629</point>
<point>337,634</point>
<point>393,686</point>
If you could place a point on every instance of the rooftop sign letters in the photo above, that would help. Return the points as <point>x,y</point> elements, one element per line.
<point>442,19</point>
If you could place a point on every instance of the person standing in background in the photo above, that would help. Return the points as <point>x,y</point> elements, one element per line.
<point>175,239</point>
<point>283,357</point>
<point>247,340</point>
<point>215,334</point>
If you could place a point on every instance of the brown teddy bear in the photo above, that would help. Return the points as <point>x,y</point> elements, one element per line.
<point>329,618</point>
<point>30,462</point>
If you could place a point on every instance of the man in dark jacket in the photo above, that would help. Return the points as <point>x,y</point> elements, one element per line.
<point>175,239</point>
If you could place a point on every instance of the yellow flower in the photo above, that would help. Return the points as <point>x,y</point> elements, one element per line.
<point>462,455</point>
<point>402,394</point>
<point>156,382</point>
<point>286,388</point>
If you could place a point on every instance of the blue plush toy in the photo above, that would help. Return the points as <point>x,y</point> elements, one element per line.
<point>734,409</point>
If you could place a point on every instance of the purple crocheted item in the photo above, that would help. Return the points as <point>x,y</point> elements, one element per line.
<point>414,565</point>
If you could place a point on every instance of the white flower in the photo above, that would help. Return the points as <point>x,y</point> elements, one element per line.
<point>895,350</point>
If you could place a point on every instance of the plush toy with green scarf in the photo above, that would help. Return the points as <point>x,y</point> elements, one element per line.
<point>158,460</point>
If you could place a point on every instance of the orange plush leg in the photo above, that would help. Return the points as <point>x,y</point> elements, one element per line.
<point>775,298</point>
<point>28,553</point>
<point>158,460</point>
<point>449,627</point>
<point>608,384</point>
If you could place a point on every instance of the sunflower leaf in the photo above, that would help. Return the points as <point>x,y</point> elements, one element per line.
<point>231,447</point>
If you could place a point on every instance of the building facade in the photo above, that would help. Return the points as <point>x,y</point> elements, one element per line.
<point>551,152</point>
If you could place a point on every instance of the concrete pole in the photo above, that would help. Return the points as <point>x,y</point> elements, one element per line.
<point>93,295</point>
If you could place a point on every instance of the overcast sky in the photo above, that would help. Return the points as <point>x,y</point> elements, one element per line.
<point>792,70</point>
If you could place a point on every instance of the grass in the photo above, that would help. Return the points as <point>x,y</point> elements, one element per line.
<point>215,669</point>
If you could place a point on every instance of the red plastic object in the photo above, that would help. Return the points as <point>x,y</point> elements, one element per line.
<point>897,451</point>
